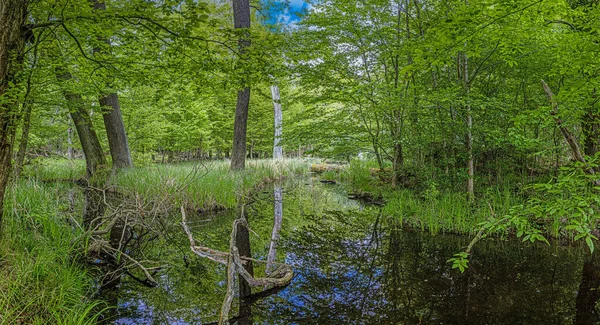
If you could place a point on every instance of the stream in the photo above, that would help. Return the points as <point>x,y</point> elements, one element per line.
<point>355,266</point>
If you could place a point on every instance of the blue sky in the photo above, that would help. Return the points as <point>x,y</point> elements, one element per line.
<point>286,12</point>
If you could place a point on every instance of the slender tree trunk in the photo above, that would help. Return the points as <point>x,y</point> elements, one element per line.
<point>92,150</point>
<point>113,119</point>
<point>241,19</point>
<point>277,221</point>
<point>70,152</point>
<point>278,118</point>
<point>13,15</point>
<point>20,158</point>
<point>26,112</point>
<point>469,134</point>
<point>242,241</point>
<point>591,131</point>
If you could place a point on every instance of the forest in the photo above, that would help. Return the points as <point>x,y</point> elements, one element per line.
<point>299,162</point>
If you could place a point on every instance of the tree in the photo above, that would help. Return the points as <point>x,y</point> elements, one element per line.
<point>241,19</point>
<point>111,113</point>
<point>13,34</point>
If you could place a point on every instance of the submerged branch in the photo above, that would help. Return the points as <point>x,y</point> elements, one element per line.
<point>279,277</point>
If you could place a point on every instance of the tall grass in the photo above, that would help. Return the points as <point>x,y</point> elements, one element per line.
<point>56,168</point>
<point>39,281</point>
<point>427,206</point>
<point>206,185</point>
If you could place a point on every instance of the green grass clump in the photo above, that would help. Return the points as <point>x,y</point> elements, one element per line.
<point>208,184</point>
<point>39,281</point>
<point>57,168</point>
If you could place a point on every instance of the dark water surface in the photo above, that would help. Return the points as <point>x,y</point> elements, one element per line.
<point>355,266</point>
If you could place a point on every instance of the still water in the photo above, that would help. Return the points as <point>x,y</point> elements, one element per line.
<point>353,265</point>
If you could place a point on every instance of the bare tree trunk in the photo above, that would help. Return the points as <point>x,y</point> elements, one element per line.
<point>115,131</point>
<point>469,134</point>
<point>241,19</point>
<point>70,152</point>
<point>113,119</point>
<point>591,130</point>
<point>20,158</point>
<point>278,118</point>
<point>13,15</point>
<point>588,294</point>
<point>92,150</point>
<point>26,112</point>
<point>242,242</point>
<point>277,221</point>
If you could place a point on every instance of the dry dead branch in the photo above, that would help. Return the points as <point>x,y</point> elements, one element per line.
<point>280,276</point>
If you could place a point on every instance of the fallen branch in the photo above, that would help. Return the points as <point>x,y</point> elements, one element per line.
<point>281,276</point>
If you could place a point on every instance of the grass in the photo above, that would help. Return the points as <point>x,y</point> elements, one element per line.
<point>447,211</point>
<point>200,185</point>
<point>207,185</point>
<point>40,282</point>
<point>426,206</point>
<point>56,168</point>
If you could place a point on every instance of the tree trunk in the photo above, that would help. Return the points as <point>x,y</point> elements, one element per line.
<point>588,294</point>
<point>278,117</point>
<point>469,134</point>
<point>242,242</point>
<point>20,158</point>
<point>397,163</point>
<point>92,150</point>
<point>26,112</point>
<point>13,15</point>
<point>591,131</point>
<point>241,19</point>
<point>115,131</point>
<point>113,119</point>
<point>70,152</point>
<point>277,221</point>
<point>238,155</point>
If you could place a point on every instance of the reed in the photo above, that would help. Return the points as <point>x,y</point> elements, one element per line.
<point>40,282</point>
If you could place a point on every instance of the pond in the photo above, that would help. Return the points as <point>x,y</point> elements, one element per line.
<point>355,266</point>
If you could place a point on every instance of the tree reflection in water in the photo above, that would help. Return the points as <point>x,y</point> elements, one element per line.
<point>357,266</point>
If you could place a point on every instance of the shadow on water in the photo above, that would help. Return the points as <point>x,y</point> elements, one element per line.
<point>355,266</point>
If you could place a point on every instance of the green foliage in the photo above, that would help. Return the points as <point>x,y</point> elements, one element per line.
<point>459,261</point>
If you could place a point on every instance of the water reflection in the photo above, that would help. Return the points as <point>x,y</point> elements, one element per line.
<point>357,266</point>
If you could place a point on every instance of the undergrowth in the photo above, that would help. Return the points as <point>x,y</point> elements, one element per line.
<point>40,281</point>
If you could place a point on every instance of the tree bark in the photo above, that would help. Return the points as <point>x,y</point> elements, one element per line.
<point>26,113</point>
<point>113,119</point>
<point>241,19</point>
<point>70,151</point>
<point>92,150</point>
<point>13,15</point>
<point>588,294</point>
<point>278,118</point>
<point>242,242</point>
<point>115,131</point>
<point>277,221</point>
<point>591,130</point>
<point>469,134</point>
